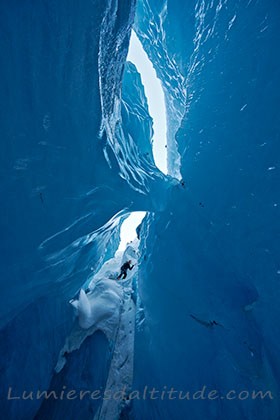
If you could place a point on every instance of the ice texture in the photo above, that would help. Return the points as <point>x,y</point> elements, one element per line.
<point>76,159</point>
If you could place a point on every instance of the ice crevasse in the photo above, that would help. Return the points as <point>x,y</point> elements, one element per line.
<point>200,308</point>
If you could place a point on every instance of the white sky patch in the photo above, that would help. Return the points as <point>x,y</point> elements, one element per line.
<point>128,228</point>
<point>155,97</point>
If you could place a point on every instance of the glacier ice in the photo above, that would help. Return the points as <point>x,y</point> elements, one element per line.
<point>76,160</point>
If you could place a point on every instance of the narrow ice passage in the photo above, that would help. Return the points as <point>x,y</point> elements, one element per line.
<point>107,304</point>
<point>77,125</point>
<point>156,103</point>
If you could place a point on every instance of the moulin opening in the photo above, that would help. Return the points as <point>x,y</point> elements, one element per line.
<point>155,98</point>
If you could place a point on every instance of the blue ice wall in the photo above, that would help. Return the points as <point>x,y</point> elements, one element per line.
<point>55,176</point>
<point>58,191</point>
<point>86,369</point>
<point>213,255</point>
<point>75,152</point>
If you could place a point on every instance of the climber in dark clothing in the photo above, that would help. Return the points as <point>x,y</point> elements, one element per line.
<point>126,266</point>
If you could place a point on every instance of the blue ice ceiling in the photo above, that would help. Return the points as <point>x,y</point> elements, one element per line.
<point>202,303</point>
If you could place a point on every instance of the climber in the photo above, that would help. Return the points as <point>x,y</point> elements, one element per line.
<point>126,266</point>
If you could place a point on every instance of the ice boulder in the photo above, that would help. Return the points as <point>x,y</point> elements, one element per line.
<point>99,307</point>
